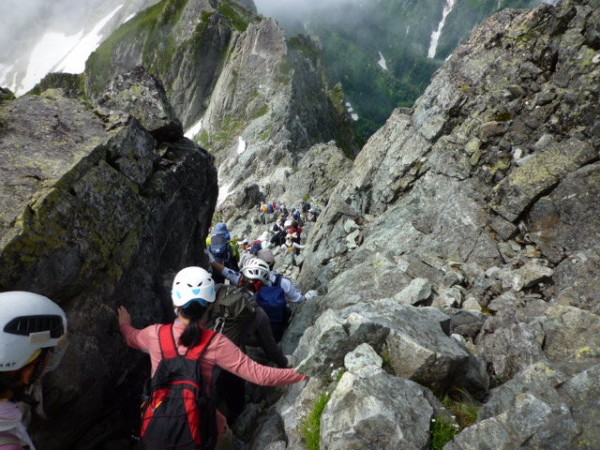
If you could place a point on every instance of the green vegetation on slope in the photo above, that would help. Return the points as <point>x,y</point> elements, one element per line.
<point>354,36</point>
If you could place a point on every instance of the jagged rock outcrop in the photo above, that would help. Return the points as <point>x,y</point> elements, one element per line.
<point>484,197</point>
<point>99,208</point>
<point>269,106</point>
<point>488,190</point>
<point>262,100</point>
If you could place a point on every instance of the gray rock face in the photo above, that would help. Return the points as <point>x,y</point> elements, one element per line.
<point>96,212</point>
<point>385,411</point>
<point>487,189</point>
<point>268,108</point>
<point>542,406</point>
<point>484,194</point>
<point>142,95</point>
<point>262,100</point>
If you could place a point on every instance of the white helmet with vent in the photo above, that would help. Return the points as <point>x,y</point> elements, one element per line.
<point>193,283</point>
<point>257,269</point>
<point>28,323</point>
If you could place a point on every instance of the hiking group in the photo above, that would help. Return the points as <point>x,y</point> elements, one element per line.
<point>199,365</point>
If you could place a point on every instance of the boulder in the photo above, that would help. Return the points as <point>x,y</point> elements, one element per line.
<point>97,212</point>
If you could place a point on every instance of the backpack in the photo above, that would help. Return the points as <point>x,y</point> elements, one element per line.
<point>177,413</point>
<point>232,311</point>
<point>272,300</point>
<point>220,248</point>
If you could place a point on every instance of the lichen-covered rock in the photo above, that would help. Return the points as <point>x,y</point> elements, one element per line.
<point>97,213</point>
<point>545,404</point>
<point>142,95</point>
<point>392,413</point>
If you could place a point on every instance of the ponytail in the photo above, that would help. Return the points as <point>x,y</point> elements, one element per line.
<point>192,335</point>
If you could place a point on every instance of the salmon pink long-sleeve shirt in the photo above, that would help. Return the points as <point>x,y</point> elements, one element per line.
<point>220,352</point>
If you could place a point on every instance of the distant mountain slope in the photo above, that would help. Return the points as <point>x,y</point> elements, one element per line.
<point>379,50</point>
<point>38,37</point>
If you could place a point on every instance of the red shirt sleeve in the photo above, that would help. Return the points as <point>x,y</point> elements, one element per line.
<point>228,356</point>
<point>138,339</point>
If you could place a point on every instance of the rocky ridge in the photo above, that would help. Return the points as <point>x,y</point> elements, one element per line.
<point>447,258</point>
<point>476,255</point>
<point>99,205</point>
<point>262,100</point>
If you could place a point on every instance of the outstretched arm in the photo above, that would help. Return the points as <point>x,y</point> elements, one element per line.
<point>232,359</point>
<point>138,339</point>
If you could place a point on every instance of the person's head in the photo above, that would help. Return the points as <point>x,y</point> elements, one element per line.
<point>193,290</point>
<point>255,274</point>
<point>244,245</point>
<point>221,228</point>
<point>267,256</point>
<point>31,327</point>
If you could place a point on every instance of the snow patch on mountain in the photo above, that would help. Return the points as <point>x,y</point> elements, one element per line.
<point>57,52</point>
<point>382,62</point>
<point>194,130</point>
<point>435,36</point>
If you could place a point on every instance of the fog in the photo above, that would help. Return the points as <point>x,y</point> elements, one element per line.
<point>21,20</point>
<point>291,8</point>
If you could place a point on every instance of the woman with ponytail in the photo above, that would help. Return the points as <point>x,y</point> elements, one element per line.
<point>193,290</point>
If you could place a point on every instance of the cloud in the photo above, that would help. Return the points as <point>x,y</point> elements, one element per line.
<point>290,8</point>
<point>22,20</point>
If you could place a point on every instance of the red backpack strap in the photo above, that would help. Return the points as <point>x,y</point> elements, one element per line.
<point>168,348</point>
<point>195,352</point>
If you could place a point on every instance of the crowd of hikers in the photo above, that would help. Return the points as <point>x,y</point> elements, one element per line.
<point>239,302</point>
<point>199,365</point>
<point>305,212</point>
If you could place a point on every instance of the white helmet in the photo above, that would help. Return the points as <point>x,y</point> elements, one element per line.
<point>28,323</point>
<point>257,269</point>
<point>193,283</point>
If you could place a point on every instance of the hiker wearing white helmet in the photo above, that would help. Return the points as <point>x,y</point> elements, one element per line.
<point>32,328</point>
<point>193,293</point>
<point>292,293</point>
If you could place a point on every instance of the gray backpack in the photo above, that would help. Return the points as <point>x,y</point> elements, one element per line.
<point>231,313</point>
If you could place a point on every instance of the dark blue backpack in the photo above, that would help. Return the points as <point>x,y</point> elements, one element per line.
<point>272,300</point>
<point>220,249</point>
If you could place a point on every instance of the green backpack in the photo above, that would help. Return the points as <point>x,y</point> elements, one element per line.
<point>232,311</point>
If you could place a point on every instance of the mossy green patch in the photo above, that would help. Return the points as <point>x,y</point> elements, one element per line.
<point>310,429</point>
<point>235,15</point>
<point>503,116</point>
<point>442,431</point>
<point>336,94</point>
<point>150,32</point>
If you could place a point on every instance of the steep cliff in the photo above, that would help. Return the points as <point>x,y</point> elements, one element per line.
<point>99,207</point>
<point>457,253</point>
<point>263,101</point>
<point>480,204</point>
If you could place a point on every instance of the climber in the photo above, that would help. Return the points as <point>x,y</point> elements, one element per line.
<point>295,230</point>
<point>223,249</point>
<point>279,231</point>
<point>291,245</point>
<point>32,342</point>
<point>292,293</point>
<point>245,252</point>
<point>192,293</point>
